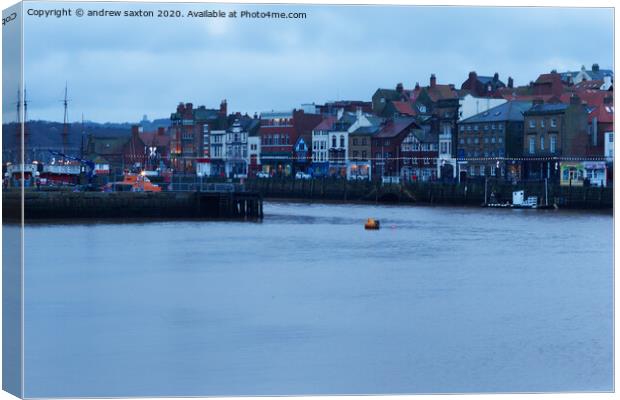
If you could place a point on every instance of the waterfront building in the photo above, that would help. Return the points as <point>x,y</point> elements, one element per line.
<point>237,145</point>
<point>157,149</point>
<point>419,153</point>
<point>552,133</point>
<point>491,142</point>
<point>438,106</point>
<point>279,132</point>
<point>385,146</point>
<point>217,152</point>
<point>320,139</point>
<point>190,134</point>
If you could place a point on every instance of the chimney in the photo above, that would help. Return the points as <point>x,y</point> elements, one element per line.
<point>595,68</point>
<point>189,106</point>
<point>496,76</point>
<point>399,87</point>
<point>574,99</point>
<point>433,80</point>
<point>255,115</point>
<point>223,108</point>
<point>181,108</point>
<point>358,112</point>
<point>473,75</point>
<point>417,86</point>
<point>135,130</point>
<point>510,82</point>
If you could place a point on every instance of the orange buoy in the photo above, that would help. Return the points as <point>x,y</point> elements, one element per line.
<point>371,223</point>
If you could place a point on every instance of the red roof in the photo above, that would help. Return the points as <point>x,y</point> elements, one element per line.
<point>326,124</point>
<point>396,126</point>
<point>404,107</point>
<point>589,85</point>
<point>153,138</point>
<point>596,99</point>
<point>440,92</point>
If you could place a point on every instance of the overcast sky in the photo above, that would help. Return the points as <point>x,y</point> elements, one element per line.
<point>119,69</point>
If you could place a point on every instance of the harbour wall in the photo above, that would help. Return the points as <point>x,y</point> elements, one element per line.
<point>97,205</point>
<point>470,193</point>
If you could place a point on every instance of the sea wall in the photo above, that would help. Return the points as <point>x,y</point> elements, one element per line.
<point>470,193</point>
<point>98,205</point>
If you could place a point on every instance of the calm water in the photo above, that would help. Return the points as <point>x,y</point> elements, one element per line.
<point>308,302</point>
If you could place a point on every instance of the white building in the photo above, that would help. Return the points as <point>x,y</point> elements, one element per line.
<point>470,105</point>
<point>236,151</point>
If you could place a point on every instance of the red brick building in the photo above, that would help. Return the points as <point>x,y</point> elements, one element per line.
<point>386,146</point>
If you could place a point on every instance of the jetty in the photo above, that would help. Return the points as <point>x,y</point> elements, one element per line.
<point>67,205</point>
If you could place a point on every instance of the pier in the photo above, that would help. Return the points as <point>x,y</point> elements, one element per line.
<point>41,205</point>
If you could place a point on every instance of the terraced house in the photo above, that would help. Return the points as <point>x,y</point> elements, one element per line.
<point>553,132</point>
<point>491,142</point>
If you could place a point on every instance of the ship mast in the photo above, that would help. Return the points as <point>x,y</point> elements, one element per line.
<point>65,124</point>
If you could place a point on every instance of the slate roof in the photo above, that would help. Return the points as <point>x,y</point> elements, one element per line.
<point>547,108</point>
<point>509,111</point>
<point>276,114</point>
<point>396,126</point>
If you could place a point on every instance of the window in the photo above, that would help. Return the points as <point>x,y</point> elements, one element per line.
<point>341,140</point>
<point>482,170</point>
<point>472,170</point>
<point>334,141</point>
<point>542,123</point>
<point>476,140</point>
<point>500,127</point>
<point>462,141</point>
<point>486,127</point>
<point>363,153</point>
<point>532,123</point>
<point>469,127</point>
<point>532,144</point>
<point>554,122</point>
<point>486,140</point>
<point>492,170</point>
<point>542,143</point>
<point>553,143</point>
<point>355,154</point>
<point>475,127</point>
<point>493,139</point>
<point>500,140</point>
<point>468,140</point>
<point>492,127</point>
<point>444,147</point>
<point>363,141</point>
<point>462,128</point>
<point>355,142</point>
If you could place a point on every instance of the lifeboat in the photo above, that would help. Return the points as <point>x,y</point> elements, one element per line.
<point>133,183</point>
<point>371,224</point>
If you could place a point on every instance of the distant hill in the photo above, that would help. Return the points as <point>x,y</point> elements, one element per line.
<point>47,134</point>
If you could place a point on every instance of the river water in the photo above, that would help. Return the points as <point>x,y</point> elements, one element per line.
<point>308,302</point>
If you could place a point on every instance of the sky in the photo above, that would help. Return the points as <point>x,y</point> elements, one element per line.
<point>118,69</point>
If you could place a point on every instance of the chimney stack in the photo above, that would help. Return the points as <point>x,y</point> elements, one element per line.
<point>496,76</point>
<point>595,68</point>
<point>135,130</point>
<point>433,80</point>
<point>223,108</point>
<point>510,82</point>
<point>399,87</point>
